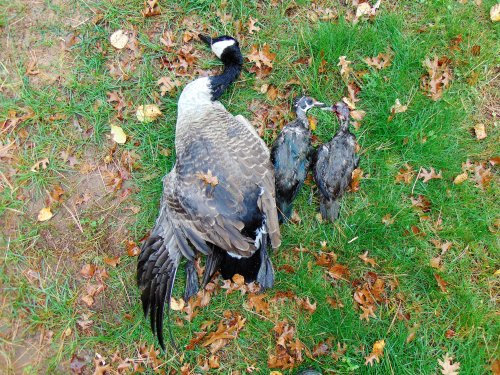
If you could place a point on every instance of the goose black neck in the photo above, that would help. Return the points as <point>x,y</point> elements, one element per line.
<point>233,63</point>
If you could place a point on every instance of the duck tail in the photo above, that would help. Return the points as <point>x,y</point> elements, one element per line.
<point>330,209</point>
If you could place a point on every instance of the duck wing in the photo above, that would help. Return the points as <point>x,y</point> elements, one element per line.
<point>334,166</point>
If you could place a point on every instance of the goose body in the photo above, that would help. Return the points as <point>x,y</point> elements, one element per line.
<point>291,156</point>
<point>334,163</point>
<point>218,199</point>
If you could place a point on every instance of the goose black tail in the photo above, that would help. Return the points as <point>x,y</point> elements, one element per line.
<point>156,270</point>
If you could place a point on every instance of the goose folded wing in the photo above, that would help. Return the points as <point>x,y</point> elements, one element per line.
<point>218,212</point>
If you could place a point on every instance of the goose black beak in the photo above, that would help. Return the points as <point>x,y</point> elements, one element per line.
<point>205,38</point>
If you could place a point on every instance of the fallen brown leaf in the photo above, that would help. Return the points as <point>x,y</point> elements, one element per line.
<point>447,367</point>
<point>377,352</point>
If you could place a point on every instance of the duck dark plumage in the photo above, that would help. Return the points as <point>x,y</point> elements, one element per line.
<point>291,156</point>
<point>218,199</point>
<point>334,163</point>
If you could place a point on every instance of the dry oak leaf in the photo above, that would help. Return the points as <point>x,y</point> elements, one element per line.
<point>382,60</point>
<point>441,283</point>
<point>132,249</point>
<point>119,39</point>
<point>338,272</point>
<point>256,302</point>
<point>251,25</point>
<point>365,9</point>
<point>364,258</point>
<point>397,108</point>
<point>356,176</point>
<point>88,271</point>
<point>57,193</point>
<point>45,214</point>
<point>387,219</point>
<point>345,69</point>
<point>377,352</point>
<point>113,262</point>
<point>406,174</point>
<point>168,85</point>
<point>447,367</point>
<point>118,134</point>
<point>208,178</point>
<point>438,76</point>
<point>42,163</point>
<point>177,305</point>
<point>306,304</point>
<point>148,112</point>
<point>151,8</point>
<point>358,115</point>
<point>429,175</point>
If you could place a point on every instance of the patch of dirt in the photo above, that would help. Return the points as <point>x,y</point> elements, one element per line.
<point>34,41</point>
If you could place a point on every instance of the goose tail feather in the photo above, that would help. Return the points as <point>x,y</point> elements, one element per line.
<point>157,266</point>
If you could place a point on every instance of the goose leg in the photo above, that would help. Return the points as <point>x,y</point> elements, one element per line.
<point>265,277</point>
<point>191,280</point>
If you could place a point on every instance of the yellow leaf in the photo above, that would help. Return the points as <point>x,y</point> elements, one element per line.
<point>358,115</point>
<point>398,107</point>
<point>480,131</point>
<point>45,214</point>
<point>312,123</point>
<point>148,112</point>
<point>118,134</point>
<point>119,39</point>
<point>460,178</point>
<point>177,305</point>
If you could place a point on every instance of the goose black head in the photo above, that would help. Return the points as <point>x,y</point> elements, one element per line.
<point>225,47</point>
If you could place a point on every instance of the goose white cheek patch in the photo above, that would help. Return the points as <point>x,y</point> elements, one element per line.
<point>219,47</point>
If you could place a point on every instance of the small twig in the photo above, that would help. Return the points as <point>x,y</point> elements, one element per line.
<point>393,319</point>
<point>73,216</point>
<point>416,179</point>
<point>125,288</point>
<point>354,239</point>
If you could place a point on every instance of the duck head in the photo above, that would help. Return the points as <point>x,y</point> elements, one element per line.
<point>342,111</point>
<point>225,47</point>
<point>304,103</point>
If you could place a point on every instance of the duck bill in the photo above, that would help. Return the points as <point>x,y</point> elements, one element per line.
<point>205,38</point>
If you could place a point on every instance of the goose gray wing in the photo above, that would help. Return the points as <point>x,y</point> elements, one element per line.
<point>228,212</point>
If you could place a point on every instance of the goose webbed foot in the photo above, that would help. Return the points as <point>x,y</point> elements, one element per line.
<point>265,276</point>
<point>191,281</point>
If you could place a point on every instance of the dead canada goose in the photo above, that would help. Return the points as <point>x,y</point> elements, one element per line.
<point>291,156</point>
<point>334,163</point>
<point>218,199</point>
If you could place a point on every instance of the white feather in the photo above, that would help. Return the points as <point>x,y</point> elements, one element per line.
<point>219,47</point>
<point>195,95</point>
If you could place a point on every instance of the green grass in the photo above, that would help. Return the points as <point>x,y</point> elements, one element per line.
<point>429,134</point>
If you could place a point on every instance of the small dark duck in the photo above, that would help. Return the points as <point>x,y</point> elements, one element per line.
<point>291,156</point>
<point>334,163</point>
